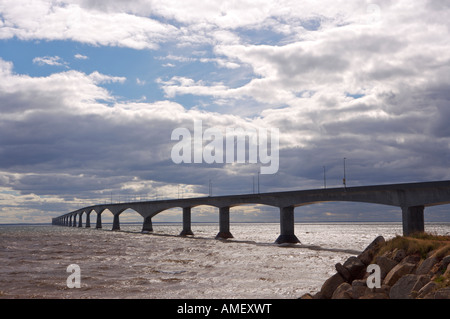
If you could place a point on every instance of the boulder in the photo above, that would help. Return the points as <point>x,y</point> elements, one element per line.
<point>384,289</point>
<point>443,293</point>
<point>398,254</point>
<point>317,295</point>
<point>437,269</point>
<point>397,272</point>
<point>359,288</point>
<point>330,285</point>
<point>445,262</point>
<point>367,255</point>
<point>426,265</point>
<point>447,272</point>
<point>343,272</point>
<point>406,285</point>
<point>386,264</point>
<point>411,259</point>
<point>343,291</point>
<point>355,267</point>
<point>421,282</point>
<point>427,291</point>
<point>352,269</point>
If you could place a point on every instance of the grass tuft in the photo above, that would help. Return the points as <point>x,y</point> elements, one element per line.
<point>421,244</point>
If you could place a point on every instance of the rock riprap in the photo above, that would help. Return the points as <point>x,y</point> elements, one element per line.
<point>421,273</point>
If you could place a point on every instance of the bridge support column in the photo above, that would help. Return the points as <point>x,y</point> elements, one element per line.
<point>413,220</point>
<point>186,222</point>
<point>88,220</point>
<point>116,223</point>
<point>148,226</point>
<point>224,223</point>
<point>80,221</point>
<point>287,226</point>
<point>98,225</point>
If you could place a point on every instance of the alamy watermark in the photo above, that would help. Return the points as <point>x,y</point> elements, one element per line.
<point>374,279</point>
<point>74,279</point>
<point>373,13</point>
<point>235,145</point>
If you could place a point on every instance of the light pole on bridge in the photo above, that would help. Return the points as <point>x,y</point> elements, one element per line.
<point>344,180</point>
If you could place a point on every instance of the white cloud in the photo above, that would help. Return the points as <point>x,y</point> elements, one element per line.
<point>50,60</point>
<point>168,65</point>
<point>102,78</point>
<point>140,82</point>
<point>51,93</point>
<point>68,21</point>
<point>79,56</point>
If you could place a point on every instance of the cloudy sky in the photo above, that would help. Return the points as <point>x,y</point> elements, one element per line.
<point>90,92</point>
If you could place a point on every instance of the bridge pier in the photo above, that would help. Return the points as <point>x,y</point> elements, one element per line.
<point>74,224</point>
<point>80,221</point>
<point>88,220</point>
<point>98,225</point>
<point>147,226</point>
<point>116,223</point>
<point>287,234</point>
<point>413,220</point>
<point>224,223</point>
<point>186,222</point>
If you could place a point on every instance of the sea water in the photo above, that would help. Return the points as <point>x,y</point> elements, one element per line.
<point>34,260</point>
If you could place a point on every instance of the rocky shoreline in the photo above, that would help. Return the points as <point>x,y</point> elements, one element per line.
<point>403,274</point>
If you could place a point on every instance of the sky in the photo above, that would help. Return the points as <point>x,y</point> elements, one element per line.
<point>91,91</point>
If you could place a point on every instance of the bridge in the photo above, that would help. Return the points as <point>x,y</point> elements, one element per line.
<point>411,198</point>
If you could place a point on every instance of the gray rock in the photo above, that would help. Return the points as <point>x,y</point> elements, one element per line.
<point>411,259</point>
<point>344,291</point>
<point>398,255</point>
<point>397,272</point>
<point>421,281</point>
<point>355,267</point>
<point>403,287</point>
<point>445,262</point>
<point>359,288</point>
<point>343,272</point>
<point>427,291</point>
<point>443,293</point>
<point>386,264</point>
<point>425,267</point>
<point>367,255</point>
<point>330,285</point>
<point>447,272</point>
<point>407,287</point>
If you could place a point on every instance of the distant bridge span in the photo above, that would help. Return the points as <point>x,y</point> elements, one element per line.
<point>412,198</point>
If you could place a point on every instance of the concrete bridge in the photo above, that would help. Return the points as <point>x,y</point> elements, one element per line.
<point>411,198</point>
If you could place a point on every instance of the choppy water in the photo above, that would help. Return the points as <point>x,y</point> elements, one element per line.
<point>128,264</point>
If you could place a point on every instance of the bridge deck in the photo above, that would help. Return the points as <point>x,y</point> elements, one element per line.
<point>412,198</point>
